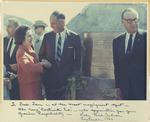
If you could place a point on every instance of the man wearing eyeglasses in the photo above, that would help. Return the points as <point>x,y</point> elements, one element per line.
<point>39,28</point>
<point>129,55</point>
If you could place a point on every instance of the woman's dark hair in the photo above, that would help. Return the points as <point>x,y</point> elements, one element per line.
<point>20,34</point>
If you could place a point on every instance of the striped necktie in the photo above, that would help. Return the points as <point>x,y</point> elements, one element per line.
<point>58,58</point>
<point>9,48</point>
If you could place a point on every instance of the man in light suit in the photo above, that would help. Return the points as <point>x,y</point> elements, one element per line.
<point>129,54</point>
<point>62,48</point>
<point>39,28</point>
<point>10,49</point>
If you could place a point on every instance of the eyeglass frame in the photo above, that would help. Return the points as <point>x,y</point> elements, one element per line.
<point>127,20</point>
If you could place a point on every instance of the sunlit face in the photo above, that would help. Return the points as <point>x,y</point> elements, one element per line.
<point>38,30</point>
<point>28,39</point>
<point>133,26</point>
<point>57,25</point>
<point>10,28</point>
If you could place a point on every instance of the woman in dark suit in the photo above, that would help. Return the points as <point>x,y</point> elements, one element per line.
<point>29,69</point>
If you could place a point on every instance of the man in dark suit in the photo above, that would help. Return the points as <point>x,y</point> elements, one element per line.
<point>129,54</point>
<point>62,48</point>
<point>10,50</point>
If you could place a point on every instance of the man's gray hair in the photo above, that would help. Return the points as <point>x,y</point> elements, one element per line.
<point>128,10</point>
<point>59,15</point>
<point>14,21</point>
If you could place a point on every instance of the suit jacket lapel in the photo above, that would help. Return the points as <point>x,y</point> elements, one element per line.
<point>6,56</point>
<point>6,47</point>
<point>6,40</point>
<point>67,39</point>
<point>52,45</point>
<point>136,42</point>
<point>14,52</point>
<point>122,47</point>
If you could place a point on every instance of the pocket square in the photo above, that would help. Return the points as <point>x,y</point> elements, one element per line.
<point>70,47</point>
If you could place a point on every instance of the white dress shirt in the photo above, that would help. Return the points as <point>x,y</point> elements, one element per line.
<point>63,37</point>
<point>12,46</point>
<point>127,39</point>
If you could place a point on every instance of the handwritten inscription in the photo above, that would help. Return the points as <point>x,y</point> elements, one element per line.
<point>86,111</point>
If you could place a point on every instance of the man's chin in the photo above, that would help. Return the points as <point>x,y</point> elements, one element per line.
<point>9,36</point>
<point>55,31</point>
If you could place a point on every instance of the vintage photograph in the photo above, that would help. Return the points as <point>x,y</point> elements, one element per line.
<point>68,53</point>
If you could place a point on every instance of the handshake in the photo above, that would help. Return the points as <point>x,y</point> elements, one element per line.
<point>45,63</point>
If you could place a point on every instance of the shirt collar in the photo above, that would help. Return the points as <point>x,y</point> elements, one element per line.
<point>128,35</point>
<point>11,39</point>
<point>62,33</point>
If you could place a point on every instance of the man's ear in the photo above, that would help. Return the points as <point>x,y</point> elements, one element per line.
<point>63,22</point>
<point>122,21</point>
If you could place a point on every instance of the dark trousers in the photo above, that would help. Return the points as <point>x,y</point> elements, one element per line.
<point>132,95</point>
<point>54,93</point>
<point>14,92</point>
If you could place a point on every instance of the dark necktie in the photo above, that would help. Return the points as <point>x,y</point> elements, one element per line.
<point>9,48</point>
<point>129,48</point>
<point>58,58</point>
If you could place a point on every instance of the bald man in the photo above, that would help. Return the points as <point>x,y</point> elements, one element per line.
<point>129,54</point>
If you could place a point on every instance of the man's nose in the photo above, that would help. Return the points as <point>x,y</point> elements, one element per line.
<point>133,22</point>
<point>51,26</point>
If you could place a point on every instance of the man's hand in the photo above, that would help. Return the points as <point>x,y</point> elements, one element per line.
<point>119,94</point>
<point>12,75</point>
<point>43,92</point>
<point>6,81</point>
<point>45,63</point>
<point>13,67</point>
